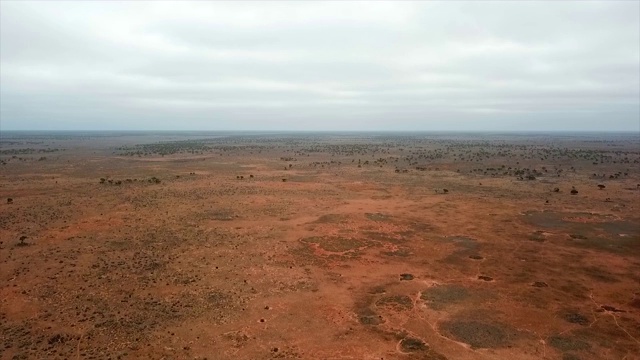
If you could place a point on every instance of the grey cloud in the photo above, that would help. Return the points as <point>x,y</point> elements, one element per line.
<point>320,66</point>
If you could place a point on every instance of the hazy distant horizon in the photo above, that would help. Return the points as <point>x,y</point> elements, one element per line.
<point>205,132</point>
<point>320,66</point>
<point>578,131</point>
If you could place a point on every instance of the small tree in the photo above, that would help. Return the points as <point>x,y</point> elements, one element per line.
<point>22,239</point>
<point>600,186</point>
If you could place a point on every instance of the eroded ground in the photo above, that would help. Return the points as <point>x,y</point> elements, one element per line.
<point>184,246</point>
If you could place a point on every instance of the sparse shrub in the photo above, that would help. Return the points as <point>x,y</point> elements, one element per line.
<point>22,241</point>
<point>600,186</point>
<point>9,201</point>
<point>102,180</point>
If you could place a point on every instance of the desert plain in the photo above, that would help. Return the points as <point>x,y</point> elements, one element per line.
<point>133,245</point>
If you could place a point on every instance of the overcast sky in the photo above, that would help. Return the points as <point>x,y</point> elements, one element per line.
<point>320,65</point>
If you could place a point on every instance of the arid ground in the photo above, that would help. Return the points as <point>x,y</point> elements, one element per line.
<point>319,246</point>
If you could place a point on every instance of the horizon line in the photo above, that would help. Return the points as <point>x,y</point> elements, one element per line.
<point>320,131</point>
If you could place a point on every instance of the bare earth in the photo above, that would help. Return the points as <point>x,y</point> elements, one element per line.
<point>330,246</point>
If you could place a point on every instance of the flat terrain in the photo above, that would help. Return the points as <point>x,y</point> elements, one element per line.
<point>319,246</point>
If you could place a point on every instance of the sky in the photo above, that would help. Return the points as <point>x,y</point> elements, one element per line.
<point>352,66</point>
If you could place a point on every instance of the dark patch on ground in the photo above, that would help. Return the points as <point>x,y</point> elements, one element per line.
<point>412,344</point>
<point>568,343</point>
<point>575,318</point>
<point>396,302</point>
<point>406,277</point>
<point>377,290</point>
<point>366,316</point>
<point>485,278</point>
<point>371,319</point>
<point>475,257</point>
<point>627,245</point>
<point>615,228</point>
<point>479,334</point>
<point>467,247</point>
<point>539,284</point>
<point>604,233</point>
<point>438,297</point>
<point>544,219</point>
<point>366,307</point>
<point>422,228</point>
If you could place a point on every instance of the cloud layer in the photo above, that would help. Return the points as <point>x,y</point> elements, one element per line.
<point>320,65</point>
